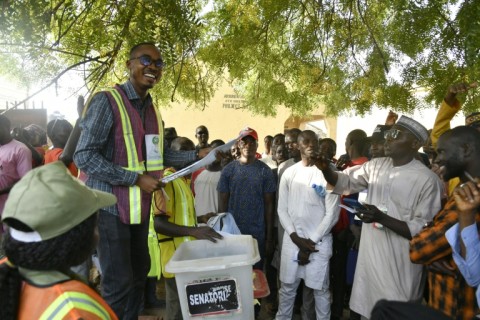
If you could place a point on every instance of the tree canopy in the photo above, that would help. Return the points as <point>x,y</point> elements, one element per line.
<point>347,54</point>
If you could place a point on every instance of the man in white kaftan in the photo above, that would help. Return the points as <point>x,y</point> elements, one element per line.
<point>403,195</point>
<point>309,216</point>
<point>409,193</point>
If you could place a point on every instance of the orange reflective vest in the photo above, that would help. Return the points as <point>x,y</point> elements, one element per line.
<point>67,300</point>
<point>59,297</point>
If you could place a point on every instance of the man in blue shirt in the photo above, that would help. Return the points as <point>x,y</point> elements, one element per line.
<point>247,190</point>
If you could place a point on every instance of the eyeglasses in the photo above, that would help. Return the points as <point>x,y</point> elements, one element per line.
<point>146,60</point>
<point>391,134</point>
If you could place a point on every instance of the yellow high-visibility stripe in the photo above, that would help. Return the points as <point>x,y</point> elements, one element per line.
<point>132,156</point>
<point>68,301</point>
<point>135,196</point>
<point>134,192</point>
<point>160,134</point>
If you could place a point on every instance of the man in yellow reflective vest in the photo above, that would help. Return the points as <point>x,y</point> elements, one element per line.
<point>176,222</point>
<point>121,149</point>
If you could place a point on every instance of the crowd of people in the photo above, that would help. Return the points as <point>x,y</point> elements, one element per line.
<point>383,232</point>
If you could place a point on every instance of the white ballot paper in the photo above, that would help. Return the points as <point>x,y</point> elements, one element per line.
<point>349,209</point>
<point>200,163</point>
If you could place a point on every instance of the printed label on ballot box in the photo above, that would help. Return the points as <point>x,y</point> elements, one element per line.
<point>212,297</point>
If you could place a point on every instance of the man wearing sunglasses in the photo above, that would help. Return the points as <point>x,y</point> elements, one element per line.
<point>121,149</point>
<point>403,195</point>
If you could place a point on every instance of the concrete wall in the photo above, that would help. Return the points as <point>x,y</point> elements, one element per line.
<point>225,117</point>
<point>24,117</point>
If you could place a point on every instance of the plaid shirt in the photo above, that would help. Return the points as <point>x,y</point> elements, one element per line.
<point>95,149</point>
<point>447,293</point>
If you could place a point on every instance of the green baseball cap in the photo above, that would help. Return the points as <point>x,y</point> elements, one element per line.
<point>51,201</point>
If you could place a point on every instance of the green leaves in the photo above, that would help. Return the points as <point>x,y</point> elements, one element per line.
<point>347,54</point>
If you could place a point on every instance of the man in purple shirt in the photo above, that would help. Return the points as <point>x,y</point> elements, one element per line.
<point>15,162</point>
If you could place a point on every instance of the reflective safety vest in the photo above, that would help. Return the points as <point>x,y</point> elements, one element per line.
<point>153,249</point>
<point>54,295</point>
<point>130,133</point>
<point>67,300</point>
<point>181,211</point>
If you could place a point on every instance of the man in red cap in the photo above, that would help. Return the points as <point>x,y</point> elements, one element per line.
<point>247,190</point>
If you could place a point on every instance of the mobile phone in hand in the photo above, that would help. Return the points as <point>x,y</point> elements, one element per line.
<point>353,203</point>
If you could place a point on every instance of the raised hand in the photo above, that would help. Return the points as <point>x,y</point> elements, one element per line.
<point>321,162</point>
<point>391,118</point>
<point>80,105</point>
<point>467,196</point>
<point>343,162</point>
<point>453,90</point>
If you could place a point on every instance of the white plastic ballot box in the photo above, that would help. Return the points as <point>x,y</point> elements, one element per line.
<point>214,280</point>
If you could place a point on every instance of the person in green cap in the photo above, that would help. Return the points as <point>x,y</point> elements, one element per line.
<point>52,219</point>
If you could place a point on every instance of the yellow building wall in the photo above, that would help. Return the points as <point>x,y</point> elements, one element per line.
<point>224,117</point>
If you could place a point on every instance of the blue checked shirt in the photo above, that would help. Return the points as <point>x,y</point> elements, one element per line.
<point>95,149</point>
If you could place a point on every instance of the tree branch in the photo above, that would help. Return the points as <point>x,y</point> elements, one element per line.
<point>177,81</point>
<point>53,81</point>
<point>44,48</point>
<point>352,47</point>
<point>77,17</point>
<point>384,62</point>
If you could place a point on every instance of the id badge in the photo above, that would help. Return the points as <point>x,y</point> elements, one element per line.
<point>151,144</point>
